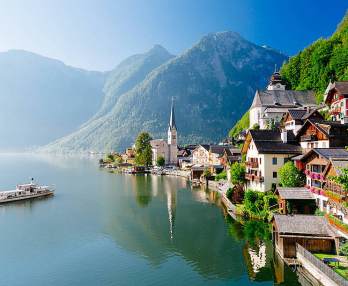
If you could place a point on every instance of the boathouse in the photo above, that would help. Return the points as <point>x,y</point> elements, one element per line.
<point>296,201</point>
<point>312,232</point>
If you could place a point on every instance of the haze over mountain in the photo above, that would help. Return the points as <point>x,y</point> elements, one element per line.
<point>212,83</point>
<point>43,99</point>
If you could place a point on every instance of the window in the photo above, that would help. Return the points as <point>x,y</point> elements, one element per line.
<point>260,161</point>
<point>274,175</point>
<point>274,161</point>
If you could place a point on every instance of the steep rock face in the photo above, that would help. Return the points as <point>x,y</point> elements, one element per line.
<point>212,84</point>
<point>128,74</point>
<point>43,99</point>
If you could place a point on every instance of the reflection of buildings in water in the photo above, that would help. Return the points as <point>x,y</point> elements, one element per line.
<point>170,191</point>
<point>258,260</point>
<point>258,257</point>
<point>206,196</point>
<point>171,205</point>
<point>154,185</point>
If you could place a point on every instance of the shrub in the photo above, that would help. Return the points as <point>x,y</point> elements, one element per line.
<point>290,176</point>
<point>221,176</point>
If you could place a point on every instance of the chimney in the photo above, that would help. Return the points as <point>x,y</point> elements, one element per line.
<point>284,136</point>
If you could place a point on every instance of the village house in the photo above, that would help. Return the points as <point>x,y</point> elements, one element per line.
<point>167,149</point>
<point>336,97</point>
<point>230,156</point>
<point>320,165</point>
<point>295,201</point>
<point>200,155</point>
<point>312,232</point>
<point>269,106</point>
<point>295,118</point>
<point>322,134</point>
<point>266,151</point>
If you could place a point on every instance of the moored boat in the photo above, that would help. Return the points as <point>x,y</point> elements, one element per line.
<point>25,191</point>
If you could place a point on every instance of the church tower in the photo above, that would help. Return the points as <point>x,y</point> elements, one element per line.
<point>172,137</point>
<point>276,82</point>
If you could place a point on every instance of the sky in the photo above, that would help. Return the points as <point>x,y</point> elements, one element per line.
<point>97,35</point>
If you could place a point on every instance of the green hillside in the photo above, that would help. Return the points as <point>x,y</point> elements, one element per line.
<point>322,61</point>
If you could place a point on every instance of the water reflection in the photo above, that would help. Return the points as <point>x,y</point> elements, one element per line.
<point>174,225</point>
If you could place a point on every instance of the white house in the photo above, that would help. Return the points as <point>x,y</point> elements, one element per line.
<point>266,151</point>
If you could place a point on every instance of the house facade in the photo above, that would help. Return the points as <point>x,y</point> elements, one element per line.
<point>336,97</point>
<point>320,165</point>
<point>266,151</point>
<point>269,106</point>
<point>322,134</point>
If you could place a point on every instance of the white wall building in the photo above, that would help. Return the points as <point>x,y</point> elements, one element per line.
<point>270,105</point>
<point>266,151</point>
<point>167,149</point>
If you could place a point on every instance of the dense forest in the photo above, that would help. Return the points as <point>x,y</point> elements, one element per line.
<point>314,67</point>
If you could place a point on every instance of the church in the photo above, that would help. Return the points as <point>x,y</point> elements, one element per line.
<point>270,105</point>
<point>167,149</point>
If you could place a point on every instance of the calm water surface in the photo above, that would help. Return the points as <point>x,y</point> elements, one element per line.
<point>107,229</point>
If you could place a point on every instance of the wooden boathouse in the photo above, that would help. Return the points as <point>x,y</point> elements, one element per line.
<point>312,232</point>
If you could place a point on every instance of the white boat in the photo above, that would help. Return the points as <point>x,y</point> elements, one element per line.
<point>26,191</point>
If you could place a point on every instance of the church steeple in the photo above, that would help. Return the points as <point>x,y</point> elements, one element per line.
<point>172,116</point>
<point>276,82</point>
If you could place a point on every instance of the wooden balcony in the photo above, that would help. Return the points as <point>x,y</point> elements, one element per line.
<point>254,178</point>
<point>307,138</point>
<point>335,188</point>
<point>252,164</point>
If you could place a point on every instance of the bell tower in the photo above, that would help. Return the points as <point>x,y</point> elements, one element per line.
<point>172,137</point>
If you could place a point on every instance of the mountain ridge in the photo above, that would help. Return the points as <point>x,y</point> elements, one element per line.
<point>207,82</point>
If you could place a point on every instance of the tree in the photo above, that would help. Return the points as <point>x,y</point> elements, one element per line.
<point>237,173</point>
<point>290,176</point>
<point>344,249</point>
<point>160,161</point>
<point>206,173</point>
<point>342,179</point>
<point>143,149</point>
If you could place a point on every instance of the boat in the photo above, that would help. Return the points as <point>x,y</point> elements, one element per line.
<point>24,192</point>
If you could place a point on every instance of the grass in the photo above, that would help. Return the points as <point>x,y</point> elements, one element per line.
<point>341,270</point>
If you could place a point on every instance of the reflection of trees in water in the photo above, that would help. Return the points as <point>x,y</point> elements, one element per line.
<point>174,224</point>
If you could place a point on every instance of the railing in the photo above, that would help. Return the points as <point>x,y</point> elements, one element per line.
<point>312,137</point>
<point>335,111</point>
<point>321,266</point>
<point>252,164</point>
<point>253,177</point>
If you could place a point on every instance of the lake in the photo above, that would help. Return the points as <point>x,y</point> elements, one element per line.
<point>110,229</point>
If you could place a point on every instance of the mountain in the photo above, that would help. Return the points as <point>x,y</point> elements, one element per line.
<point>313,68</point>
<point>43,99</point>
<point>128,74</point>
<point>212,84</point>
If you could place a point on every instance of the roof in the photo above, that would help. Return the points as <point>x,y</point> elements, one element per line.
<point>286,98</point>
<point>333,129</point>
<point>338,164</point>
<point>340,86</point>
<point>218,149</point>
<point>304,224</point>
<point>328,153</point>
<point>172,123</point>
<point>269,141</point>
<point>295,194</point>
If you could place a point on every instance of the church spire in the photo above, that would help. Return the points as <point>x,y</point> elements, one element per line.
<point>172,116</point>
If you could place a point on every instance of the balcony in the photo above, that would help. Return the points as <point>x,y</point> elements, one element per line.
<point>308,138</point>
<point>252,164</point>
<point>335,111</point>
<point>254,178</point>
